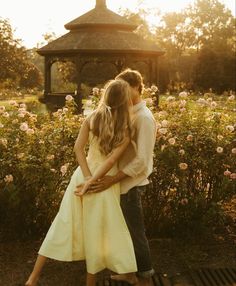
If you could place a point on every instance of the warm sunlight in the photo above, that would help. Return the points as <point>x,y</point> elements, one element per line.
<point>117,142</point>
<point>50,16</point>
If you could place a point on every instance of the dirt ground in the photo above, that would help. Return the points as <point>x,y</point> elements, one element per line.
<point>170,256</point>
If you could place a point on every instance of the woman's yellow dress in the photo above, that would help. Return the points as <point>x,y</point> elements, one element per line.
<point>91,227</point>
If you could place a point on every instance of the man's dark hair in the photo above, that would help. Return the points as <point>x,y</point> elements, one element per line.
<point>133,77</point>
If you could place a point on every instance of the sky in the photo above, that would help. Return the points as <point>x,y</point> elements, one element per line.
<point>31,19</point>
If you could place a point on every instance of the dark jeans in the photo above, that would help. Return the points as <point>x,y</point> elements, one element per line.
<point>133,212</point>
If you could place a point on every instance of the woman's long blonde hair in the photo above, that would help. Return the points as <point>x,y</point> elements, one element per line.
<point>111,121</point>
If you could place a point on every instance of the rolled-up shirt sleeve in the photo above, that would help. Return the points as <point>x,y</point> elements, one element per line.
<point>145,141</point>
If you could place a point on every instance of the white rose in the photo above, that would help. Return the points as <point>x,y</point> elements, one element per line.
<point>20,155</point>
<point>163,113</point>
<point>183,94</point>
<point>229,128</point>
<point>201,101</point>
<point>231,98</point>
<point>21,115</point>
<point>219,150</point>
<point>2,109</point>
<point>182,103</point>
<point>22,105</point>
<point>183,166</point>
<point>69,97</point>
<point>13,103</point>
<point>163,131</point>
<point>3,141</point>
<point>190,137</point>
<point>64,169</point>
<point>24,126</point>
<point>95,91</point>
<point>170,98</point>
<point>171,141</point>
<point>8,178</point>
<point>50,157</point>
<point>181,152</point>
<point>233,151</point>
<point>30,131</point>
<point>154,88</point>
<point>6,114</point>
<point>213,104</point>
<point>164,123</point>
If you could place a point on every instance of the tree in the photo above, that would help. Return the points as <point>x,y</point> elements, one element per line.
<point>210,20</point>
<point>199,40</point>
<point>216,68</point>
<point>14,62</point>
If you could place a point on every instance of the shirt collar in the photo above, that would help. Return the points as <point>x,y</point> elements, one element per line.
<point>139,105</point>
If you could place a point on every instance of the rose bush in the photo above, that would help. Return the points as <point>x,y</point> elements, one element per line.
<point>36,161</point>
<point>194,164</point>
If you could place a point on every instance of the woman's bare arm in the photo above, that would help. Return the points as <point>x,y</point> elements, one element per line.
<point>106,166</point>
<point>79,148</point>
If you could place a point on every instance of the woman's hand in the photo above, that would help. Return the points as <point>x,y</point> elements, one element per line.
<point>83,188</point>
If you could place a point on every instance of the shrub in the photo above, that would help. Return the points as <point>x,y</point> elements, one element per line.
<point>36,162</point>
<point>194,165</point>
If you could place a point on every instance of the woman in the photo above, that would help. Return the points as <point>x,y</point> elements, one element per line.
<point>91,227</point>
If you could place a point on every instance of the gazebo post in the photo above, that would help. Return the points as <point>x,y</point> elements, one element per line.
<point>157,71</point>
<point>47,76</point>
<point>154,69</point>
<point>78,96</point>
<point>150,76</point>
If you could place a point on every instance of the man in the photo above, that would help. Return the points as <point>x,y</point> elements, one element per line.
<point>135,167</point>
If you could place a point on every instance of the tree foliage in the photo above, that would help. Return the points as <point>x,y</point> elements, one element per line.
<point>15,66</point>
<point>199,42</point>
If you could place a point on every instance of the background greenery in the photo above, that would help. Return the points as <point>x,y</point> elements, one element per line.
<point>199,42</point>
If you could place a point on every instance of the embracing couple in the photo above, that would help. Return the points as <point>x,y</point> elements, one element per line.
<point>100,219</point>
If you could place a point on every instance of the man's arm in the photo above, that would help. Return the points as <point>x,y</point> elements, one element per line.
<point>106,182</point>
<point>146,137</point>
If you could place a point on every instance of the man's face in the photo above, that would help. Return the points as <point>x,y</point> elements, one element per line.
<point>134,93</point>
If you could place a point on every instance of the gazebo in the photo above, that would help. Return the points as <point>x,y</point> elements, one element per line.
<point>98,36</point>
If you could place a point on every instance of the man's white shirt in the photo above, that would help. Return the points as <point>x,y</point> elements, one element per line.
<point>137,161</point>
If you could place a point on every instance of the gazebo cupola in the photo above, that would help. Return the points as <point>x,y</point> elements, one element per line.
<point>101,4</point>
<point>99,36</point>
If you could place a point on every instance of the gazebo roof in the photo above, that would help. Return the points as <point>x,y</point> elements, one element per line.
<point>101,16</point>
<point>100,31</point>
